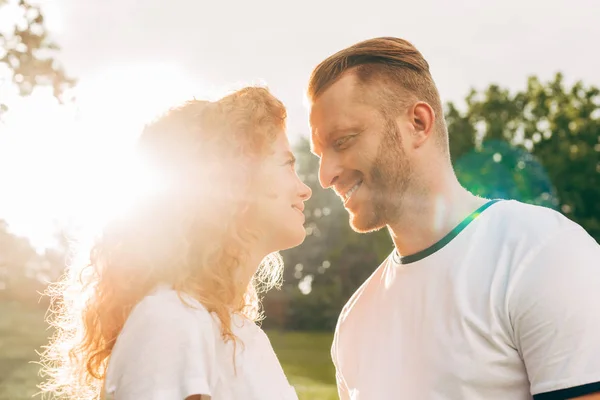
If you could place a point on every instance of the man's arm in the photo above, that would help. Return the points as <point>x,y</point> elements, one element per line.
<point>554,306</point>
<point>593,396</point>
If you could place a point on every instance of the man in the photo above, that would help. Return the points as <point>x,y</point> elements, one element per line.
<point>480,299</point>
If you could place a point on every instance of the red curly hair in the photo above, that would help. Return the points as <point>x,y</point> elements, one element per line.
<point>190,236</point>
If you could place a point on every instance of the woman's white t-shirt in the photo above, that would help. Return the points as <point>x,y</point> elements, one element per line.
<point>170,350</point>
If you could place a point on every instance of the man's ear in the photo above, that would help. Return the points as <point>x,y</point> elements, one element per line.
<point>422,117</point>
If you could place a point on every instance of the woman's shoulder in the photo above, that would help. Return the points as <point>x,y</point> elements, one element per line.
<point>167,338</point>
<point>165,308</point>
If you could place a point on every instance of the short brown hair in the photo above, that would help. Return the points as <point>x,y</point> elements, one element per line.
<point>387,60</point>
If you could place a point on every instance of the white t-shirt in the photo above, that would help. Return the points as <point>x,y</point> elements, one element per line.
<point>169,351</point>
<point>505,307</point>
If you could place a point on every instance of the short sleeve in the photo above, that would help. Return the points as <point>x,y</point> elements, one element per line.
<point>164,353</point>
<point>555,313</point>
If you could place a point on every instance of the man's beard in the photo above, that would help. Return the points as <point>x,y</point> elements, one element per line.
<point>388,181</point>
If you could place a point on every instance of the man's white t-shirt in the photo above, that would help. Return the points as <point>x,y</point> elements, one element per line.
<point>506,306</point>
<point>169,351</point>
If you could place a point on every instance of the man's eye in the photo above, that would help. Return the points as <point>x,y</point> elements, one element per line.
<point>342,141</point>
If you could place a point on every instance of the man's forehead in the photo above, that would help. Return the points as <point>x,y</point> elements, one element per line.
<point>322,131</point>
<point>343,91</point>
<point>334,108</point>
<point>315,142</point>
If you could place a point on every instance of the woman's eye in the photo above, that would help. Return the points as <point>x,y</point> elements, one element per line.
<point>291,163</point>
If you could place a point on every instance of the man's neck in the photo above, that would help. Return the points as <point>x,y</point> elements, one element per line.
<point>428,218</point>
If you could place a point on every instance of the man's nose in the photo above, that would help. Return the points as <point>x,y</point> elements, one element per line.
<point>329,171</point>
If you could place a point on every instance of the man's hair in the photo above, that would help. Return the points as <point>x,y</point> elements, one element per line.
<point>399,71</point>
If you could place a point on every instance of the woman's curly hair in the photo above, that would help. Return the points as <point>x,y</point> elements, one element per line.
<point>191,235</point>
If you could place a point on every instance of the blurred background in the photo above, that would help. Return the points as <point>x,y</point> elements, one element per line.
<point>78,80</point>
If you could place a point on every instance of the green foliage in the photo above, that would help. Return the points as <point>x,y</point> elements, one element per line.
<point>540,145</point>
<point>24,273</point>
<point>28,56</point>
<point>305,358</point>
<point>16,260</point>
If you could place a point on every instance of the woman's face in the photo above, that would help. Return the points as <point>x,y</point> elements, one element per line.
<point>279,199</point>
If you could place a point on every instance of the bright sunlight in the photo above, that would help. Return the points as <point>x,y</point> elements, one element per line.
<point>74,166</point>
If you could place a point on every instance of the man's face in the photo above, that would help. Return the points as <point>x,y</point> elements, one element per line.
<point>361,154</point>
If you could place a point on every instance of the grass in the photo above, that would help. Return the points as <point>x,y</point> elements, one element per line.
<point>306,362</point>
<point>22,332</point>
<point>304,356</point>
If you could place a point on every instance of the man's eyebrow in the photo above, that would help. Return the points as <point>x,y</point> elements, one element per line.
<point>316,138</point>
<point>334,132</point>
<point>344,130</point>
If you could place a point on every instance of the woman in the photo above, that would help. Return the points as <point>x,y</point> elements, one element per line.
<point>167,307</point>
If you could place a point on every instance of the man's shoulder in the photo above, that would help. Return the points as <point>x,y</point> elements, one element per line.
<point>516,220</point>
<point>517,235</point>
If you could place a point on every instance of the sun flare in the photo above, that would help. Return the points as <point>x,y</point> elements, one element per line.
<point>75,165</point>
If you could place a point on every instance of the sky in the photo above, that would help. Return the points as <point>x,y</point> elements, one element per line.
<point>135,58</point>
<point>468,44</point>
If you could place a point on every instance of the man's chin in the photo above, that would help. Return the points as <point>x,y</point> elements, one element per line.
<point>361,223</point>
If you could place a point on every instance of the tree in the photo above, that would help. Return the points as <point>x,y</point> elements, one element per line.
<point>17,256</point>
<point>25,273</point>
<point>28,56</point>
<point>540,145</point>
